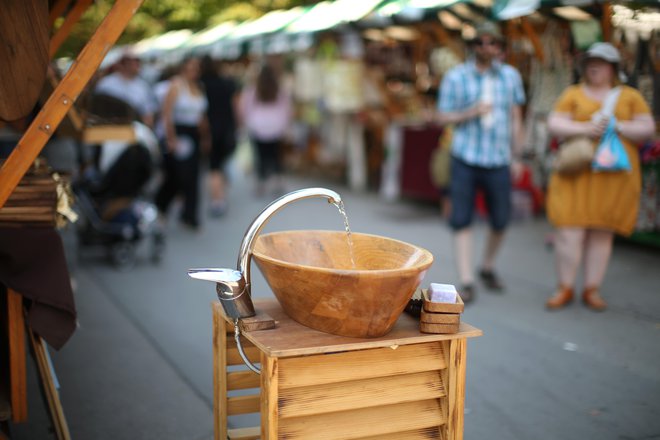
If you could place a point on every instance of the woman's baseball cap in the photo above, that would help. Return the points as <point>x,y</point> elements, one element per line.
<point>603,51</point>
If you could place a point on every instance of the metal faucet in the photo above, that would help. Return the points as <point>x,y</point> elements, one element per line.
<point>234,286</point>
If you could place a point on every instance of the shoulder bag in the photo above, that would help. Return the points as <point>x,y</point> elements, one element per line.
<point>576,153</point>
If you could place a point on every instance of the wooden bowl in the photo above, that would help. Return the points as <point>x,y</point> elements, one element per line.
<point>314,279</point>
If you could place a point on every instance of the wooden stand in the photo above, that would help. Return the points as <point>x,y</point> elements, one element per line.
<point>405,385</point>
<point>16,408</point>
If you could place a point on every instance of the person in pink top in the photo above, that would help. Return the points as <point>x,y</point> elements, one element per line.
<point>266,109</point>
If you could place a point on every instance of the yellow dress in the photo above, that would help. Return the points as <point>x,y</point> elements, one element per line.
<point>599,200</point>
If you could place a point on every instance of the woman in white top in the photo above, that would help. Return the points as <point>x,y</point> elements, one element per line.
<point>186,132</point>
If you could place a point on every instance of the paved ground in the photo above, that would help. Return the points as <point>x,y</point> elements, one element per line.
<point>139,366</point>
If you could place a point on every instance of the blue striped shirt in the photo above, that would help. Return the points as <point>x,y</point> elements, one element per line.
<point>473,142</point>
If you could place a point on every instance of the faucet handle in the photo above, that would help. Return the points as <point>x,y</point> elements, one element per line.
<point>231,288</point>
<point>216,275</point>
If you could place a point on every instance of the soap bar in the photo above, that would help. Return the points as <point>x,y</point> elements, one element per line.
<point>445,293</point>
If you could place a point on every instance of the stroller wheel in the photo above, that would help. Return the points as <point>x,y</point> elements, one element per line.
<point>123,255</point>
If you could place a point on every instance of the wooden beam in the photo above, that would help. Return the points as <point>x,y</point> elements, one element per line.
<point>52,394</point>
<point>219,373</point>
<point>71,19</point>
<point>24,37</point>
<point>75,80</point>
<point>17,381</point>
<point>56,10</point>
<point>101,133</point>
<point>533,37</point>
<point>73,115</point>
<point>606,21</point>
<point>445,39</point>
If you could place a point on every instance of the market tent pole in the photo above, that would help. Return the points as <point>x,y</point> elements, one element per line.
<point>445,39</point>
<point>58,104</point>
<point>533,37</point>
<point>56,10</point>
<point>63,32</point>
<point>606,21</point>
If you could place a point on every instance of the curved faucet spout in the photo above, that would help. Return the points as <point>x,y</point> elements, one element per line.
<point>258,223</point>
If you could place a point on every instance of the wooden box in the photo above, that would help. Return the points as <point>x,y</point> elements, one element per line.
<point>440,317</point>
<point>314,385</point>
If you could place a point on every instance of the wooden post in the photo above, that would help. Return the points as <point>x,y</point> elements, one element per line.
<point>606,21</point>
<point>54,110</point>
<point>56,10</point>
<point>63,32</point>
<point>219,374</point>
<point>533,37</point>
<point>18,383</point>
<point>269,400</point>
<point>52,394</point>
<point>456,388</point>
<point>24,34</point>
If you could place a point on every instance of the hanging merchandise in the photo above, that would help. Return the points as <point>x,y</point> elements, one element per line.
<point>308,79</point>
<point>342,86</point>
<point>586,32</point>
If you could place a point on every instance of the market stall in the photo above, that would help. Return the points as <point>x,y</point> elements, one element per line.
<point>30,250</point>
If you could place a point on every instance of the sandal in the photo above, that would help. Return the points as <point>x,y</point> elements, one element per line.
<point>490,280</point>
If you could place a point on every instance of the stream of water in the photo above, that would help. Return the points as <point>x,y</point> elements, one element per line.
<point>347,227</point>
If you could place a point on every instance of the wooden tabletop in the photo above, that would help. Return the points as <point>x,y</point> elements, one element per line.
<point>292,339</point>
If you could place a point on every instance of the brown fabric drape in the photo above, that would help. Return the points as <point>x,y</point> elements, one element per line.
<point>32,262</point>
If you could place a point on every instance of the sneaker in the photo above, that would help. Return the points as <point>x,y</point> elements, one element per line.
<point>218,209</point>
<point>467,293</point>
<point>491,280</point>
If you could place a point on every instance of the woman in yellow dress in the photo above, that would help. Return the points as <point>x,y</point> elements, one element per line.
<point>588,208</point>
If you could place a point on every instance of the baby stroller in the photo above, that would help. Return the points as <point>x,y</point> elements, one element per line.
<point>114,212</point>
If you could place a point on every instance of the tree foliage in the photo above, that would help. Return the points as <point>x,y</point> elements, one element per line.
<point>158,16</point>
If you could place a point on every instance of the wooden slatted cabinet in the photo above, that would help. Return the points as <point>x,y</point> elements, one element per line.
<point>405,385</point>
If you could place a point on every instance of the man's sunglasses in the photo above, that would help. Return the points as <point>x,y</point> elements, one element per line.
<point>486,42</point>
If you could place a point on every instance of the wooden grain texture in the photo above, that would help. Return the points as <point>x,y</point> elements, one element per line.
<point>56,10</point>
<point>24,30</point>
<point>438,307</point>
<point>251,433</point>
<point>291,339</point>
<point>361,364</point>
<point>270,371</point>
<point>322,283</point>
<point>360,423</point>
<point>219,373</point>
<point>17,372</point>
<point>379,391</point>
<point>55,108</point>
<point>234,357</point>
<point>261,321</point>
<point>101,133</point>
<point>432,433</point>
<point>248,404</point>
<point>56,411</point>
<point>396,392</point>
<point>456,389</point>
<point>427,327</point>
<point>62,33</point>
<point>440,318</point>
<point>242,380</point>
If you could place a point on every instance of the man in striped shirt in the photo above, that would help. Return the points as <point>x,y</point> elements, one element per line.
<point>482,98</point>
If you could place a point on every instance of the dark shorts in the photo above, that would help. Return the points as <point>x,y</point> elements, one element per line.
<point>222,147</point>
<point>496,186</point>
